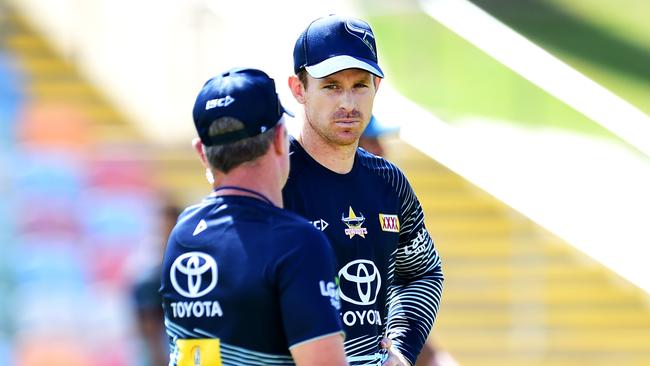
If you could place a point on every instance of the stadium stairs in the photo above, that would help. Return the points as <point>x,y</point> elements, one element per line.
<point>514,293</point>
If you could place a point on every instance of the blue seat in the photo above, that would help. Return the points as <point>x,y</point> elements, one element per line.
<point>11,98</point>
<point>6,355</point>
<point>40,261</point>
<point>51,173</point>
<point>117,217</point>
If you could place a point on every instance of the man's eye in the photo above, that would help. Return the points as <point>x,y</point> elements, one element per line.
<point>331,86</point>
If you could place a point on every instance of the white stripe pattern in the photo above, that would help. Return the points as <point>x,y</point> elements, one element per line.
<point>415,276</point>
<point>362,351</point>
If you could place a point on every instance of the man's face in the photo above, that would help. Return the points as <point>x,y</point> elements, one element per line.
<point>338,106</point>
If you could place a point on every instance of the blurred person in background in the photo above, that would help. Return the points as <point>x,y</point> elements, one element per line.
<point>364,204</point>
<point>370,139</point>
<point>146,298</point>
<point>244,281</point>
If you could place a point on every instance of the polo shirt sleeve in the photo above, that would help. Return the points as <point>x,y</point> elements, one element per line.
<point>308,288</point>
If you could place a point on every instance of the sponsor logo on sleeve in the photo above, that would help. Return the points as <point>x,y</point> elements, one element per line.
<point>330,289</point>
<point>389,223</point>
<point>418,243</point>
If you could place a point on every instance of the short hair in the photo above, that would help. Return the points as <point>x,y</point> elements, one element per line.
<point>228,156</point>
<point>302,76</point>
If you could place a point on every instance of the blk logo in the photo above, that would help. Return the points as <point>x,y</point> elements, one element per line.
<point>320,224</point>
<point>193,274</point>
<point>220,102</point>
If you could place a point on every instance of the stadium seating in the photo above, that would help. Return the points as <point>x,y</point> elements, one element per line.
<point>75,204</point>
<point>514,293</point>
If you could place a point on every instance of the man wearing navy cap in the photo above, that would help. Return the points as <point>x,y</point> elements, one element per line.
<point>389,270</point>
<point>245,282</point>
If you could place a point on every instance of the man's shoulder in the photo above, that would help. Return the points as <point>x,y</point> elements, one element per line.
<point>291,219</point>
<point>374,162</point>
<point>187,215</point>
<point>381,168</point>
<point>266,222</point>
<point>292,224</point>
<point>298,157</point>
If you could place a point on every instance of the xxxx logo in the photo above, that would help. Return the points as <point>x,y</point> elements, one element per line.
<point>389,223</point>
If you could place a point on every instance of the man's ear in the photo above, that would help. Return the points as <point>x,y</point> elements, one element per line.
<point>279,139</point>
<point>198,146</point>
<point>377,81</point>
<point>297,89</point>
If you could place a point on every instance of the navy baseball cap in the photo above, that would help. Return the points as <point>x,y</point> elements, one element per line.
<point>245,94</point>
<point>334,43</point>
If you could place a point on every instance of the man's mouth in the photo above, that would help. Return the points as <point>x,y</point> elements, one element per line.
<point>346,121</point>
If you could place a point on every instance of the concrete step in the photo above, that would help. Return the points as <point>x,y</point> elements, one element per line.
<point>71,89</point>
<point>597,318</point>
<point>526,293</point>
<point>524,339</point>
<point>25,43</point>
<point>45,67</point>
<point>553,358</point>
<point>491,248</point>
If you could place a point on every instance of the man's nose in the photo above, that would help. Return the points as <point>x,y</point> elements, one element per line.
<point>347,101</point>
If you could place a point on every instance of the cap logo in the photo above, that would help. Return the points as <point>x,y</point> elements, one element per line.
<point>220,102</point>
<point>362,34</point>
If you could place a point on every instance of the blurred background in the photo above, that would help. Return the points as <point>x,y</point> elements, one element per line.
<point>522,125</point>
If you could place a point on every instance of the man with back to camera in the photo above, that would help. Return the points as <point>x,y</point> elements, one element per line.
<point>389,271</point>
<point>245,282</point>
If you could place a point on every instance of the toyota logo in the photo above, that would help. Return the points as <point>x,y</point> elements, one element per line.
<point>193,274</point>
<point>365,275</point>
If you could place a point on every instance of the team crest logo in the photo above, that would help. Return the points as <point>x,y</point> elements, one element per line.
<point>363,33</point>
<point>389,223</point>
<point>354,222</point>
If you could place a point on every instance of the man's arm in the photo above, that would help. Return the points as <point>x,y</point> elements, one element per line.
<point>414,296</point>
<point>324,351</point>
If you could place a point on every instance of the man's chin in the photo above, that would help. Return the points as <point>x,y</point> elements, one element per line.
<point>347,139</point>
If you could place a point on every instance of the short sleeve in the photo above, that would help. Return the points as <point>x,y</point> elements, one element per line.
<point>308,288</point>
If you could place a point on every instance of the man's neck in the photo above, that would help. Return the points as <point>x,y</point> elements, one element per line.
<point>253,179</point>
<point>336,158</point>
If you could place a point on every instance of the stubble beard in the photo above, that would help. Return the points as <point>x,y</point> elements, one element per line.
<point>337,137</point>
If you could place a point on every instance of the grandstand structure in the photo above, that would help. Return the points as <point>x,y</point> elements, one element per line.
<point>80,187</point>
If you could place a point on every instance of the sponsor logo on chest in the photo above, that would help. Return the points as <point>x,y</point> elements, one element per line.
<point>389,223</point>
<point>320,224</point>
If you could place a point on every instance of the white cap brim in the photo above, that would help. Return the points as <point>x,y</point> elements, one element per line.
<point>338,63</point>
